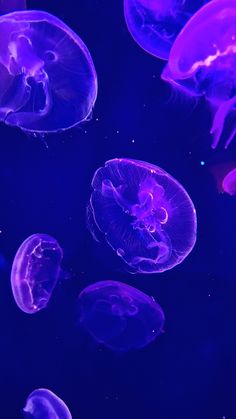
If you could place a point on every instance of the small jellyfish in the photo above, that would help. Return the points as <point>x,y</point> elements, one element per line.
<point>229,183</point>
<point>145,215</point>
<point>202,61</point>
<point>154,24</point>
<point>119,316</point>
<point>7,6</point>
<point>35,272</point>
<point>43,403</point>
<point>48,82</point>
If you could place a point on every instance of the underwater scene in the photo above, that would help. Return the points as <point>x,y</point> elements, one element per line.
<point>117,209</point>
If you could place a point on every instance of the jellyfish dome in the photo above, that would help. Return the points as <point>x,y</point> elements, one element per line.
<point>43,403</point>
<point>229,182</point>
<point>202,61</point>
<point>119,316</point>
<point>145,215</point>
<point>48,81</point>
<point>154,24</point>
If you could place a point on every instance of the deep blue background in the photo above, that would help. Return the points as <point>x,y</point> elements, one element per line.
<point>190,371</point>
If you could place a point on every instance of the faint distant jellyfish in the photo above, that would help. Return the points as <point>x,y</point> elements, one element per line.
<point>35,272</point>
<point>146,216</point>
<point>229,183</point>
<point>48,81</point>
<point>43,403</point>
<point>7,6</point>
<point>154,24</point>
<point>202,61</point>
<point>119,316</point>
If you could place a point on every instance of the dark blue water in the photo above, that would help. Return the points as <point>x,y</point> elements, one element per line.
<point>189,372</point>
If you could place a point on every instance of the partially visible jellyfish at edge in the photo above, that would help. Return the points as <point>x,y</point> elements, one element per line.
<point>229,182</point>
<point>144,214</point>
<point>43,403</point>
<point>119,316</point>
<point>154,24</point>
<point>202,62</point>
<point>48,82</point>
<point>35,272</point>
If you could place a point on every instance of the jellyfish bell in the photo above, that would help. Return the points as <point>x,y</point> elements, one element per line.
<point>154,24</point>
<point>48,82</point>
<point>202,61</point>
<point>43,403</point>
<point>229,183</point>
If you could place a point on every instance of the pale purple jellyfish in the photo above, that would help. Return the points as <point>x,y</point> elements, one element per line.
<point>229,182</point>
<point>35,272</point>
<point>44,404</point>
<point>118,316</point>
<point>203,58</point>
<point>48,82</point>
<point>154,24</point>
<point>145,215</point>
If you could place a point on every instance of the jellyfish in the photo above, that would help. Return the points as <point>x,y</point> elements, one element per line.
<point>35,272</point>
<point>48,82</point>
<point>202,61</point>
<point>7,6</point>
<point>145,215</point>
<point>154,24</point>
<point>118,316</point>
<point>229,182</point>
<point>43,403</point>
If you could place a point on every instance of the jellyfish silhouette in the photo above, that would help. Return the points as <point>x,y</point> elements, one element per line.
<point>154,24</point>
<point>118,316</point>
<point>145,215</point>
<point>229,182</point>
<point>43,403</point>
<point>35,272</point>
<point>202,61</point>
<point>48,82</point>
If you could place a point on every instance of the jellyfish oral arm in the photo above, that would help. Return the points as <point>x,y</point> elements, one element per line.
<point>219,120</point>
<point>12,5</point>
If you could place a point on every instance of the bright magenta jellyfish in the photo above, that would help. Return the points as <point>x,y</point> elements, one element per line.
<point>154,24</point>
<point>229,182</point>
<point>145,214</point>
<point>48,82</point>
<point>202,61</point>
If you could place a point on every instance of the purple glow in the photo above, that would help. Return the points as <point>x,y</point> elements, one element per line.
<point>203,58</point>
<point>48,81</point>
<point>146,216</point>
<point>229,183</point>
<point>7,6</point>
<point>35,272</point>
<point>119,316</point>
<point>43,403</point>
<point>154,24</point>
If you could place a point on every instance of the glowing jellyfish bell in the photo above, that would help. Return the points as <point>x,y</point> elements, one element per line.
<point>154,24</point>
<point>145,214</point>
<point>48,82</point>
<point>229,182</point>
<point>202,61</point>
<point>43,403</point>
<point>35,272</point>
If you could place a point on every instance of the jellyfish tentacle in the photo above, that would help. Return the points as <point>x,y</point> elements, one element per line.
<point>219,120</point>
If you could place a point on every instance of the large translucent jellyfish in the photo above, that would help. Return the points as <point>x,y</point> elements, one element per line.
<point>146,216</point>
<point>229,182</point>
<point>119,316</point>
<point>154,24</point>
<point>202,61</point>
<point>44,404</point>
<point>35,272</point>
<point>48,81</point>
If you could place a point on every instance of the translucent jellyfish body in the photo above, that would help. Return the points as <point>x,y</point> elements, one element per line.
<point>119,316</point>
<point>229,183</point>
<point>35,272</point>
<point>202,61</point>
<point>48,81</point>
<point>146,216</point>
<point>43,403</point>
<point>154,24</point>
